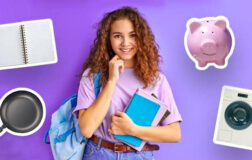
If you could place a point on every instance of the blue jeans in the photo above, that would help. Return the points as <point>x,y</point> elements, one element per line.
<point>96,152</point>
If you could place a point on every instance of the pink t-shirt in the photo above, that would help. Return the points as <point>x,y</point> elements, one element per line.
<point>123,92</point>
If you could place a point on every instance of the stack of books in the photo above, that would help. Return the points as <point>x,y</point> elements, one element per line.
<point>144,110</point>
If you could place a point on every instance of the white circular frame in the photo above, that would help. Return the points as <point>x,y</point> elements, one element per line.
<point>43,111</point>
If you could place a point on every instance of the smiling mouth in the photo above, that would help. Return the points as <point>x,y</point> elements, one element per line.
<point>209,54</point>
<point>126,50</point>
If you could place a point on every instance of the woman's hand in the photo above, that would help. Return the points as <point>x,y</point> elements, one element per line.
<point>121,124</point>
<point>115,64</point>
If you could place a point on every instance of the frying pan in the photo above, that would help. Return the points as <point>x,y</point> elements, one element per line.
<point>22,112</point>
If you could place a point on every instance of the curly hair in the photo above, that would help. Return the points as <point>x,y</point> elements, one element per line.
<point>146,59</point>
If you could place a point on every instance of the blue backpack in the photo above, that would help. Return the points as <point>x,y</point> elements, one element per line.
<point>67,142</point>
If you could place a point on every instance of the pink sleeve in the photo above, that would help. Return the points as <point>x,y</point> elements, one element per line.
<point>166,96</point>
<point>86,95</point>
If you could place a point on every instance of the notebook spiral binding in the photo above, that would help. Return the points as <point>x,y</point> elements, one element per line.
<point>24,44</point>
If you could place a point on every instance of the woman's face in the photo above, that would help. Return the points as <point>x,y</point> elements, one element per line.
<point>123,40</point>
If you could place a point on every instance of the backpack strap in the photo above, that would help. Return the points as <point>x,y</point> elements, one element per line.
<point>62,137</point>
<point>45,136</point>
<point>96,83</point>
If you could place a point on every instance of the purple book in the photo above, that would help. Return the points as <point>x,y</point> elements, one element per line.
<point>144,110</point>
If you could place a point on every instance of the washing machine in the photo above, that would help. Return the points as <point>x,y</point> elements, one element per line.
<point>233,125</point>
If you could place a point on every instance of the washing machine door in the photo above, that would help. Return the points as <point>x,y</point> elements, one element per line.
<point>238,115</point>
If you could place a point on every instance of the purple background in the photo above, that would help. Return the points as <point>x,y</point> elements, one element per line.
<point>197,93</point>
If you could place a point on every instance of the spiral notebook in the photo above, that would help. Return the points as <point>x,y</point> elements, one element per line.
<point>28,43</point>
<point>144,110</point>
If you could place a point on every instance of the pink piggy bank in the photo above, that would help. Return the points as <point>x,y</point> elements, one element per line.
<point>209,41</point>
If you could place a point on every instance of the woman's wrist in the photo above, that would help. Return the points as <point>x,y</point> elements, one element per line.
<point>135,130</point>
<point>112,82</point>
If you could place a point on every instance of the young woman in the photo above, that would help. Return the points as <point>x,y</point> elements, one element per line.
<point>125,54</point>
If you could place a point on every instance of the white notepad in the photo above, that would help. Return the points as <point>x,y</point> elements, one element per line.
<point>28,43</point>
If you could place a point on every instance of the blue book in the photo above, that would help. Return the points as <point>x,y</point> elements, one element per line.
<point>144,110</point>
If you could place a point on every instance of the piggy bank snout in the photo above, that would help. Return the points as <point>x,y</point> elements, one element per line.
<point>208,46</point>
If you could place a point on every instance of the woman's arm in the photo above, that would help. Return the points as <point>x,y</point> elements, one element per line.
<point>168,133</point>
<point>123,125</point>
<point>91,118</point>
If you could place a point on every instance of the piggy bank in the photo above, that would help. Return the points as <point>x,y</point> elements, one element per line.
<point>209,42</point>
